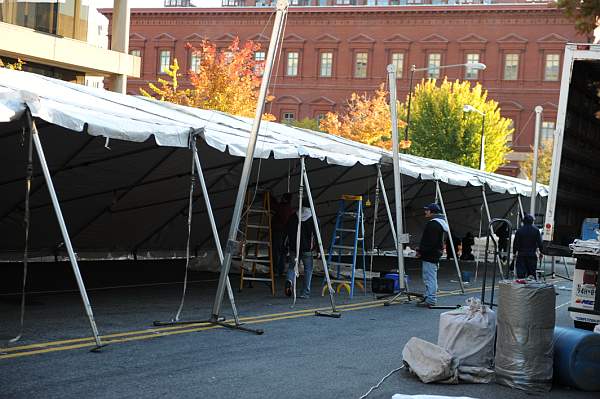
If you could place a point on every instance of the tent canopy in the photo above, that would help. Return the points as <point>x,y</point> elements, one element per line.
<point>129,195</point>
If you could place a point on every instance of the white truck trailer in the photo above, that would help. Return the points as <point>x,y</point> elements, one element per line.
<point>574,201</point>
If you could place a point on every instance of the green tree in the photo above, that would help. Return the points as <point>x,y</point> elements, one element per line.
<point>305,123</point>
<point>440,129</point>
<point>544,163</point>
<point>584,13</point>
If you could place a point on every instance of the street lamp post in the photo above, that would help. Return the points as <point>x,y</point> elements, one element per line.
<point>470,108</point>
<point>478,66</point>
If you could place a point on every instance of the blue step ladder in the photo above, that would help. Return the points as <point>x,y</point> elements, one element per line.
<point>348,239</point>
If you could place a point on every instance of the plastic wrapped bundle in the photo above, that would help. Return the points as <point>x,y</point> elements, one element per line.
<point>468,334</point>
<point>524,347</point>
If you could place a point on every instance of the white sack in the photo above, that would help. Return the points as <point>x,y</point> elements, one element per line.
<point>468,334</point>
<point>430,362</point>
<point>400,396</point>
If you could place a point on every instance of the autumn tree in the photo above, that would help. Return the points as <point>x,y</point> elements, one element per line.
<point>544,163</point>
<point>226,80</point>
<point>584,13</point>
<point>305,123</point>
<point>440,129</point>
<point>16,66</point>
<point>366,119</point>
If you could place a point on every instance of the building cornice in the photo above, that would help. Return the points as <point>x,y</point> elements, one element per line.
<point>345,11</point>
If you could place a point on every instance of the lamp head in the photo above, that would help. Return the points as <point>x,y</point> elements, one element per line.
<point>476,65</point>
<point>468,108</point>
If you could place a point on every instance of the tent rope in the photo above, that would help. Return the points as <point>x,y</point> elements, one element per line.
<point>26,219</point>
<point>189,233</point>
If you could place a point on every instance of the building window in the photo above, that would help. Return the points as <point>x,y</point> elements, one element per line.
<point>135,52</point>
<point>259,58</point>
<point>292,63</point>
<point>472,73</point>
<point>299,2</point>
<point>326,65</point>
<point>345,2</point>
<point>548,129</point>
<point>398,62</point>
<point>232,3</point>
<point>319,118</point>
<point>509,137</point>
<point>360,65</point>
<point>177,3</point>
<point>195,62</point>
<point>433,65</point>
<point>511,66</point>
<point>164,60</point>
<point>288,117</point>
<point>552,67</point>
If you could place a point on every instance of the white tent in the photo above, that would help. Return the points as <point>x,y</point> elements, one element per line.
<point>121,169</point>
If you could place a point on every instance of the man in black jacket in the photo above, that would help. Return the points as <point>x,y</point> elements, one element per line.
<point>307,234</point>
<point>527,240</point>
<point>430,251</point>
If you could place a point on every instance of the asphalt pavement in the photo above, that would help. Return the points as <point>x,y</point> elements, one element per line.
<point>298,356</point>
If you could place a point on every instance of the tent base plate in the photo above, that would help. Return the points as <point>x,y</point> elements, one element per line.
<point>335,315</point>
<point>98,348</point>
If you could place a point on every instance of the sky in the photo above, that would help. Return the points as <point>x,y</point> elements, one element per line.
<point>156,3</point>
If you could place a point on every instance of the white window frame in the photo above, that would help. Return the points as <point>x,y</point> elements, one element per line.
<point>434,62</point>
<point>162,59</point>
<point>292,63</point>
<point>326,64</point>
<point>361,64</point>
<point>552,67</point>
<point>472,73</point>
<point>397,59</point>
<point>511,66</point>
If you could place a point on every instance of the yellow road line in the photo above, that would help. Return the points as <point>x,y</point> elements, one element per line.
<point>54,346</point>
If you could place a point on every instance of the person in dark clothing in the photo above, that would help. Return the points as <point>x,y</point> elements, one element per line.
<point>503,234</point>
<point>307,234</point>
<point>527,241</point>
<point>282,212</point>
<point>430,250</point>
<point>467,247</point>
<point>457,243</point>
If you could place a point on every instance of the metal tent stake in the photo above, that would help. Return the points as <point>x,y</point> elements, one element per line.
<point>334,312</point>
<point>232,244</point>
<point>65,234</point>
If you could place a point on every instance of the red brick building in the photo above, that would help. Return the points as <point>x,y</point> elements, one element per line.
<point>331,51</point>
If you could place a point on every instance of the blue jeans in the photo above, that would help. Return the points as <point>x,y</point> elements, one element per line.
<point>307,261</point>
<point>429,273</point>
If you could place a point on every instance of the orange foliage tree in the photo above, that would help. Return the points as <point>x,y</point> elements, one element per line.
<point>366,120</point>
<point>227,80</point>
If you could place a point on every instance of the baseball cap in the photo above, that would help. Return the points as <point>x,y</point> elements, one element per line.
<point>433,207</point>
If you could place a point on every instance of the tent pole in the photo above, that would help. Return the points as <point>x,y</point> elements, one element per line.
<point>65,234</point>
<point>232,243</point>
<point>391,69</point>
<point>521,211</point>
<point>213,226</point>
<point>487,211</point>
<point>298,229</point>
<point>375,212</point>
<point>388,210</point>
<point>458,272</point>
<point>334,312</point>
<point>479,246</point>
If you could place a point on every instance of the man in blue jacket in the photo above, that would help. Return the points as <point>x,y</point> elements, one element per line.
<point>527,240</point>
<point>430,251</point>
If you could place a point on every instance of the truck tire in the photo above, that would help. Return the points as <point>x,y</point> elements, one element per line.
<point>584,325</point>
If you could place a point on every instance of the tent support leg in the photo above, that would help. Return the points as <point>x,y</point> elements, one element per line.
<point>232,243</point>
<point>334,313</point>
<point>298,230</point>
<point>487,211</point>
<point>375,212</point>
<point>66,238</point>
<point>458,272</point>
<point>219,251</point>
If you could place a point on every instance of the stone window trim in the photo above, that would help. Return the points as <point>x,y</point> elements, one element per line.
<point>334,63</point>
<point>520,71</point>
<point>543,54</point>
<point>190,54</point>
<point>286,51</point>
<point>286,112</point>
<point>334,66</point>
<point>405,67</point>
<point>425,63</point>
<point>480,73</point>
<point>159,70</point>
<point>355,53</point>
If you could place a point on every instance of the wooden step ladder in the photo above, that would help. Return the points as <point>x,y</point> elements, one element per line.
<point>256,243</point>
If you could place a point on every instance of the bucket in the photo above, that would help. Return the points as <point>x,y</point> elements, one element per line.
<point>466,276</point>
